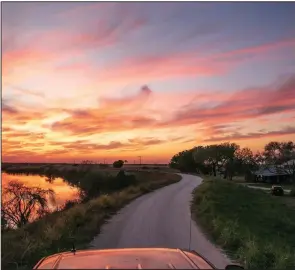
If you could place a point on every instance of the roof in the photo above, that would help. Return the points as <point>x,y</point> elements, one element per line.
<point>271,171</point>
<point>289,162</point>
<point>129,258</point>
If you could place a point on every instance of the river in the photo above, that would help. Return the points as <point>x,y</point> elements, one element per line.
<point>63,191</point>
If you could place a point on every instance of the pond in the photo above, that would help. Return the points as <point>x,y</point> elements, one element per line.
<point>63,190</point>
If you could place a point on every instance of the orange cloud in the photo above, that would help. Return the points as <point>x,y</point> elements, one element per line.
<point>244,104</point>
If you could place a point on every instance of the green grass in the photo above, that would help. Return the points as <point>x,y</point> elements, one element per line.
<point>254,228</point>
<point>54,232</point>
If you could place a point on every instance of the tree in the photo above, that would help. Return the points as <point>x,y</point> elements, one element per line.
<point>281,155</point>
<point>216,156</point>
<point>259,159</point>
<point>183,161</point>
<point>22,204</point>
<point>118,164</point>
<point>277,153</point>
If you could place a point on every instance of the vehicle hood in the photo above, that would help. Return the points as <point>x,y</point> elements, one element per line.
<point>128,258</point>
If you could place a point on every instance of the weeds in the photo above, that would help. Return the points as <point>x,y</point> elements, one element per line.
<point>250,225</point>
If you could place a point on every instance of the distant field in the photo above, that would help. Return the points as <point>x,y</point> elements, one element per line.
<point>107,168</point>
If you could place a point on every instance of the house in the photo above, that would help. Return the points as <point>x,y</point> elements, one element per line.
<point>272,174</point>
<point>289,164</point>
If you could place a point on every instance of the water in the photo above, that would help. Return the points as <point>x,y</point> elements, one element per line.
<point>63,191</point>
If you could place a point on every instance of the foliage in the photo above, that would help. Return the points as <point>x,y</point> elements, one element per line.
<point>279,152</point>
<point>255,228</point>
<point>217,156</point>
<point>230,159</point>
<point>118,164</point>
<point>184,162</point>
<point>22,204</point>
<point>54,232</point>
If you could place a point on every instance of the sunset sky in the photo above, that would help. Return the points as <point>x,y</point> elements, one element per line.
<point>122,80</point>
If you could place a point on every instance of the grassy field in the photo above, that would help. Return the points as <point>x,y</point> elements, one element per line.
<point>54,233</point>
<point>254,228</point>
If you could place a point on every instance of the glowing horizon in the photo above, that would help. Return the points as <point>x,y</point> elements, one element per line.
<point>106,81</point>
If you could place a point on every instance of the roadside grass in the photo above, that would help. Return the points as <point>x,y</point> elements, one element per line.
<point>253,228</point>
<point>55,232</point>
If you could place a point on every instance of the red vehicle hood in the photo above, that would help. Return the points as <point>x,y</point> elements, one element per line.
<point>128,258</point>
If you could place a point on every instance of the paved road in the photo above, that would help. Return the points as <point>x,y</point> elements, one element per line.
<point>160,219</point>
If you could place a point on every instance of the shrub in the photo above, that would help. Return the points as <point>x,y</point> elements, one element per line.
<point>118,163</point>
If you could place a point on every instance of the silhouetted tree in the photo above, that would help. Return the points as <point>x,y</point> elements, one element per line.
<point>118,164</point>
<point>22,204</point>
<point>217,156</point>
<point>183,161</point>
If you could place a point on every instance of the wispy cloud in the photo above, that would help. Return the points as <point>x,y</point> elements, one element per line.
<point>254,135</point>
<point>91,78</point>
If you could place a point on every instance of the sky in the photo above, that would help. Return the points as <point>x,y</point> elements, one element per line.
<point>89,80</point>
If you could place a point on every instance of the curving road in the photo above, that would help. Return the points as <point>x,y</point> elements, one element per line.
<point>160,219</point>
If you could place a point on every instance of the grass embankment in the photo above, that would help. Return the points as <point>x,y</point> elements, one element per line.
<point>54,232</point>
<point>254,228</point>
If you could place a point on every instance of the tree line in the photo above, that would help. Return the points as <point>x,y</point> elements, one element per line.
<point>231,159</point>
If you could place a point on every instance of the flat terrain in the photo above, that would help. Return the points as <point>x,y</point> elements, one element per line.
<point>160,219</point>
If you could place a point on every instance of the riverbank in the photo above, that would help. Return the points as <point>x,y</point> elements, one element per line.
<point>254,228</point>
<point>55,232</point>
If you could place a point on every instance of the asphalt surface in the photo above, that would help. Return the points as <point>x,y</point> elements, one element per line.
<point>160,219</point>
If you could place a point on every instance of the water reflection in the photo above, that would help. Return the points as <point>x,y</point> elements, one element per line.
<point>63,190</point>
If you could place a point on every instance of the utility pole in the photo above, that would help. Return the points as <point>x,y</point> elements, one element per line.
<point>139,160</point>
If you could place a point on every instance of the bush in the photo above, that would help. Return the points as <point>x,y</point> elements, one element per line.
<point>69,204</point>
<point>118,164</point>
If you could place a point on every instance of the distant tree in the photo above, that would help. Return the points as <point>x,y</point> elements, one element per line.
<point>118,164</point>
<point>281,155</point>
<point>216,156</point>
<point>277,153</point>
<point>244,161</point>
<point>22,204</point>
<point>183,161</point>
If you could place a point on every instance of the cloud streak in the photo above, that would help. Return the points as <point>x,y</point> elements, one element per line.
<point>155,78</point>
<point>254,135</point>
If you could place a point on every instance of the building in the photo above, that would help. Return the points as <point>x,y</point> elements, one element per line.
<point>272,174</point>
